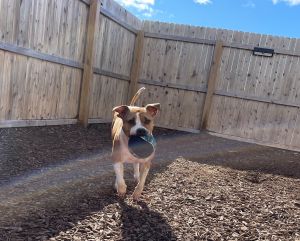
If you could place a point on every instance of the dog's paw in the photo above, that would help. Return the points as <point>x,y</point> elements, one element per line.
<point>121,190</point>
<point>137,179</point>
<point>121,195</point>
<point>136,195</point>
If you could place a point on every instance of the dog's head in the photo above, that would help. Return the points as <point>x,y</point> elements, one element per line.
<point>137,120</point>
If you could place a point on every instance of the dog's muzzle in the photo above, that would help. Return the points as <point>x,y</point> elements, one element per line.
<point>141,132</point>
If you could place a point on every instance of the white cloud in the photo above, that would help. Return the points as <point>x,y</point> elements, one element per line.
<point>249,4</point>
<point>171,15</point>
<point>143,6</point>
<point>147,14</point>
<point>204,2</point>
<point>154,12</point>
<point>289,2</point>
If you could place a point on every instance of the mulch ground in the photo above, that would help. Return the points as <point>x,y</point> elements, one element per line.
<point>192,201</point>
<point>228,191</point>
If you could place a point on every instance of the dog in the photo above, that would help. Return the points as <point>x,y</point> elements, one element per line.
<point>131,121</point>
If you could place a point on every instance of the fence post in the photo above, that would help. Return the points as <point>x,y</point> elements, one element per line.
<point>213,75</point>
<point>87,78</point>
<point>136,64</point>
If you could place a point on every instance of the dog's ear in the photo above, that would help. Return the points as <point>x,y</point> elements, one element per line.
<point>152,109</point>
<point>122,111</point>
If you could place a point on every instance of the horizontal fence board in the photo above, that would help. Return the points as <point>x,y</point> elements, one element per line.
<point>26,123</point>
<point>99,121</point>
<point>179,38</point>
<point>251,47</point>
<point>173,86</point>
<point>111,74</point>
<point>255,98</point>
<point>38,55</point>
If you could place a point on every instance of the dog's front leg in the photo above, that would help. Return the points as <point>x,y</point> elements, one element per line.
<point>120,184</point>
<point>136,170</point>
<point>140,186</point>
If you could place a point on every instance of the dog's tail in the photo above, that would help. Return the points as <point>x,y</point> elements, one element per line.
<point>137,95</point>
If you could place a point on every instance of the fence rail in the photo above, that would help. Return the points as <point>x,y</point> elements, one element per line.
<point>258,99</point>
<point>38,55</point>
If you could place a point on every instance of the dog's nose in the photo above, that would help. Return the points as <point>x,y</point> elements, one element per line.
<point>141,132</point>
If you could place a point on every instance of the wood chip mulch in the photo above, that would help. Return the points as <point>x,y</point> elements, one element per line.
<point>192,201</point>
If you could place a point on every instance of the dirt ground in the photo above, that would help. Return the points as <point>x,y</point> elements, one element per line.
<point>56,184</point>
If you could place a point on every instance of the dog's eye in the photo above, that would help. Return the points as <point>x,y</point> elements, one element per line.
<point>131,121</point>
<point>147,121</point>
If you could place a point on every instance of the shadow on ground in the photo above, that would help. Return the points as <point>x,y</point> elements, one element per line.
<point>41,216</point>
<point>143,224</point>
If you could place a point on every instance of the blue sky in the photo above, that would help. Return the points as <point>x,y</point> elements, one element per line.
<point>276,17</point>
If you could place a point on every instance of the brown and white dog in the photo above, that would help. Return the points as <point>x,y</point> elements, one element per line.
<point>128,121</point>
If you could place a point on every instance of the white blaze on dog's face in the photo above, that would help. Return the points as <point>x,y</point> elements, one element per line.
<point>137,120</point>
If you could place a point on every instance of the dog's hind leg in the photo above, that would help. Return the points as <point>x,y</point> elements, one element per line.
<point>140,186</point>
<point>136,170</point>
<point>120,182</point>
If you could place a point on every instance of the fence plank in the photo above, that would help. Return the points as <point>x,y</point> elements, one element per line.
<point>212,82</point>
<point>136,65</point>
<point>88,63</point>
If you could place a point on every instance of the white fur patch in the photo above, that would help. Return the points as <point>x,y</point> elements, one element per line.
<point>138,125</point>
<point>119,170</point>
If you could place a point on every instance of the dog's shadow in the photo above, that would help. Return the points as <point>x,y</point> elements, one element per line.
<point>141,223</point>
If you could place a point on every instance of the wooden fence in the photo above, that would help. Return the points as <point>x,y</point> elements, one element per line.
<point>56,56</point>
<point>258,98</point>
<point>210,79</point>
<point>61,61</point>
